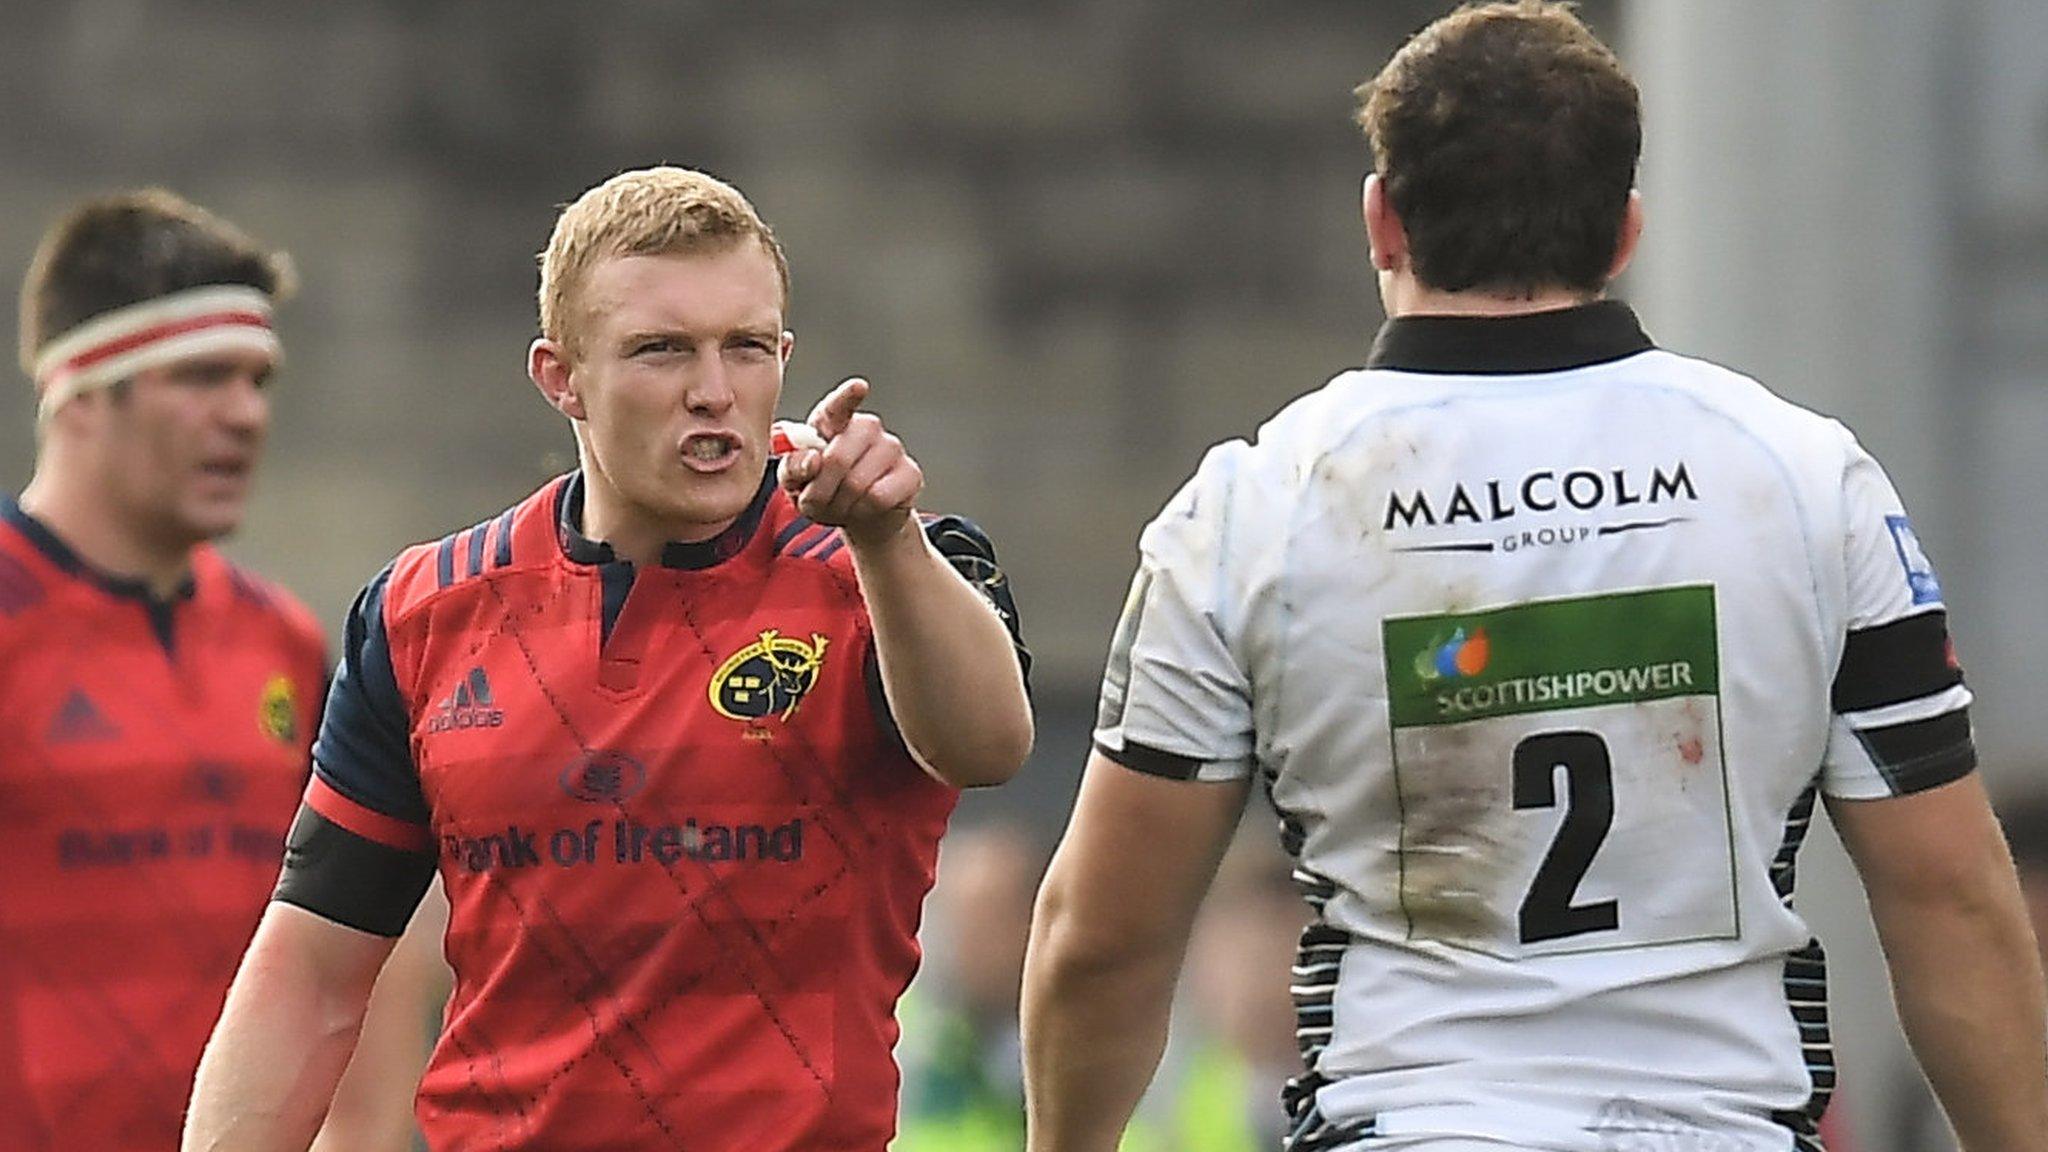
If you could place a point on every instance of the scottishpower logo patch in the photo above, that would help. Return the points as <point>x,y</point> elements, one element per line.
<point>768,677</point>
<point>1580,652</point>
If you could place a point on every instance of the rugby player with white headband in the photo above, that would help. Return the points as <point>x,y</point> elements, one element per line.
<point>157,702</point>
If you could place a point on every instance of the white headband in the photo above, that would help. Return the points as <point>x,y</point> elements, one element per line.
<point>115,345</point>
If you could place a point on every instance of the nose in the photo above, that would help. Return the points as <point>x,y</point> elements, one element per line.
<point>245,406</point>
<point>709,391</point>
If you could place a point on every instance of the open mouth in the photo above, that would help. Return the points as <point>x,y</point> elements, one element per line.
<point>710,448</point>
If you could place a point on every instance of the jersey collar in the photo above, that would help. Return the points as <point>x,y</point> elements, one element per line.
<point>57,552</point>
<point>582,549</point>
<point>1553,341</point>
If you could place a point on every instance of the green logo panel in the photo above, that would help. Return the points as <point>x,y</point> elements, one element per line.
<point>1577,652</point>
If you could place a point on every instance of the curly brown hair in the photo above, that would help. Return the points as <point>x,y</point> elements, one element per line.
<point>1506,135</point>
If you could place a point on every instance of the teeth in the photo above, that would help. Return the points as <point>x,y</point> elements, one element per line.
<point>708,448</point>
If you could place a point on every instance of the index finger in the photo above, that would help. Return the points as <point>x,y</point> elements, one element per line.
<point>835,411</point>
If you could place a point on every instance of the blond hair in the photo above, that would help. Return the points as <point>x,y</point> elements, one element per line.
<point>645,212</point>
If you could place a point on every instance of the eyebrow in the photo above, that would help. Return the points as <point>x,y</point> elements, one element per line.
<point>761,331</point>
<point>222,364</point>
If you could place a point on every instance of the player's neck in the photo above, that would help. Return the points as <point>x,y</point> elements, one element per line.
<point>634,533</point>
<point>87,524</point>
<point>1407,296</point>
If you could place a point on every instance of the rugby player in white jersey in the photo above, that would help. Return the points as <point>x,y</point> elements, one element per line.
<point>1544,642</point>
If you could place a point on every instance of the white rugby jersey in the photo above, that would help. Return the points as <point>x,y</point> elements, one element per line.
<point>1544,640</point>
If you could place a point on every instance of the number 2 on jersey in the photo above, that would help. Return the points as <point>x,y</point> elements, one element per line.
<point>1547,911</point>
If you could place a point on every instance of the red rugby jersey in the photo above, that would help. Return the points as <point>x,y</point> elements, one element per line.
<point>151,755</point>
<point>683,848</point>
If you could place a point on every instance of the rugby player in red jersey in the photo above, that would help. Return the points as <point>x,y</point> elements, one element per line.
<point>156,701</point>
<point>680,731</point>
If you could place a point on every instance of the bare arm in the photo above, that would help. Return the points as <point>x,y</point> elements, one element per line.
<point>285,1034</point>
<point>1964,967</point>
<point>1107,941</point>
<point>947,665</point>
<point>373,1107</point>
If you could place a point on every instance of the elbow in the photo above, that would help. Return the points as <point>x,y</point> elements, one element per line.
<point>1007,753</point>
<point>1057,957</point>
<point>1070,948</point>
<point>993,755</point>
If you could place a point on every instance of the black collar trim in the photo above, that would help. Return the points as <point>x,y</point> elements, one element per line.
<point>71,563</point>
<point>1552,341</point>
<point>581,549</point>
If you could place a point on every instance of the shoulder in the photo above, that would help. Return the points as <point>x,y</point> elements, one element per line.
<point>1241,490</point>
<point>24,587</point>
<point>796,539</point>
<point>793,536</point>
<point>252,595</point>
<point>468,558</point>
<point>1280,458</point>
<point>1761,411</point>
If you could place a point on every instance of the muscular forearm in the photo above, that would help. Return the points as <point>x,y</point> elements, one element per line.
<point>952,678</point>
<point>283,1039</point>
<point>1969,990</point>
<point>1095,1017</point>
<point>1107,940</point>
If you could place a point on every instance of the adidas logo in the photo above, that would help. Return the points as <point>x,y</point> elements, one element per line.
<point>469,706</point>
<point>79,720</point>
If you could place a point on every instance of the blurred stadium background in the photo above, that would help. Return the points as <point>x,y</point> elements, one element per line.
<point>1072,244</point>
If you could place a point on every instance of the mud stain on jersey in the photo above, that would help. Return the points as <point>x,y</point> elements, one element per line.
<point>1352,479</point>
<point>1454,807</point>
<point>1692,734</point>
<point>1689,738</point>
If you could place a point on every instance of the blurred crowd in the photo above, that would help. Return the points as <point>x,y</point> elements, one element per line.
<point>1232,1046</point>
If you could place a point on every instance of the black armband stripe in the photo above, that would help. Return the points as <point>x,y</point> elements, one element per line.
<point>1922,754</point>
<point>350,879</point>
<point>1152,761</point>
<point>1892,663</point>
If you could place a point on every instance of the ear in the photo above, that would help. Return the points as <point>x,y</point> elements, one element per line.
<point>1631,232</point>
<point>547,363</point>
<point>1384,233</point>
<point>788,346</point>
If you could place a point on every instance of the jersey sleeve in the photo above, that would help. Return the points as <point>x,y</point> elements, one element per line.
<point>1901,712</point>
<point>972,554</point>
<point>360,852</point>
<point>1176,701</point>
